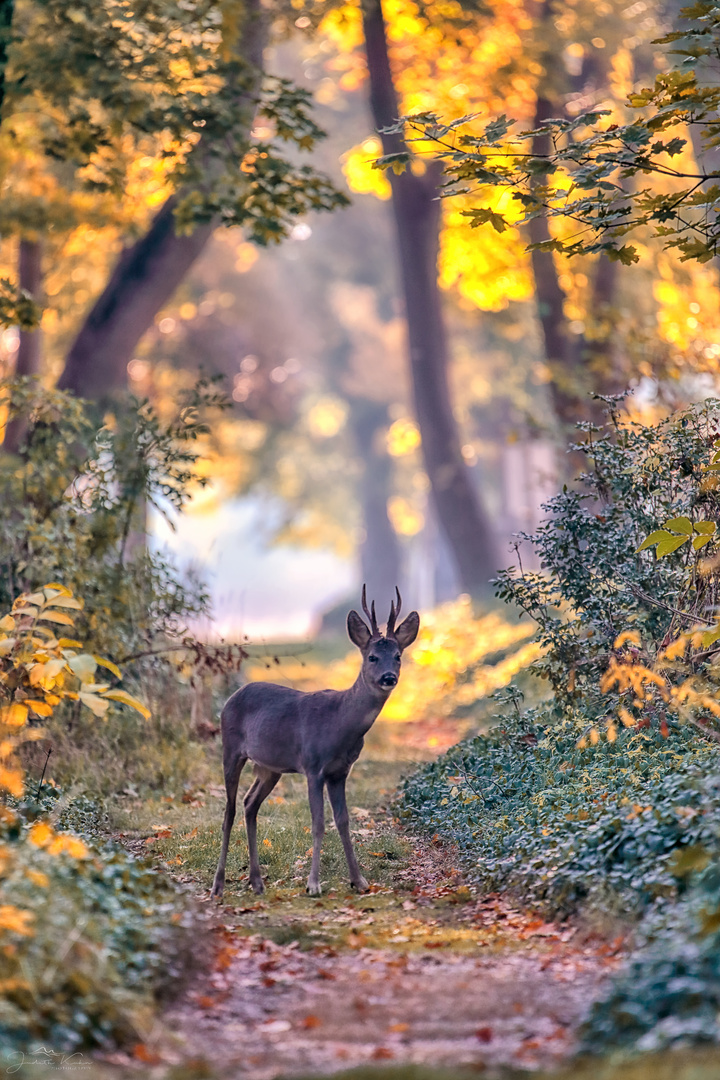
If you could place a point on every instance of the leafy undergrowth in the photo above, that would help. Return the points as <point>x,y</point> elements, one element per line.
<point>630,827</point>
<point>670,991</point>
<point>560,826</point>
<point>91,937</point>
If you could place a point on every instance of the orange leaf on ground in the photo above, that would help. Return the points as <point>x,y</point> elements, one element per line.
<point>143,1053</point>
<point>310,1021</point>
<point>382,1053</point>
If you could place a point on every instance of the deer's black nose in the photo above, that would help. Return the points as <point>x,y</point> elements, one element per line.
<point>388,679</point>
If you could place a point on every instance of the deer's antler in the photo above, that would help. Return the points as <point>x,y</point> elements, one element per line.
<point>370,614</point>
<point>394,613</point>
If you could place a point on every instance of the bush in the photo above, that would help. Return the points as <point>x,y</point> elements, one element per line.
<point>594,583</point>
<point>88,939</point>
<point>561,826</point>
<point>85,936</point>
<point>545,808</point>
<point>669,992</point>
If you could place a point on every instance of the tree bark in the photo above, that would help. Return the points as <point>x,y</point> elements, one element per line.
<point>416,208</point>
<point>380,550</point>
<point>143,281</point>
<point>29,354</point>
<point>150,270</point>
<point>561,355</point>
<point>578,367</point>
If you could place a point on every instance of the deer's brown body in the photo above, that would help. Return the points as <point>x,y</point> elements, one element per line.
<point>319,734</point>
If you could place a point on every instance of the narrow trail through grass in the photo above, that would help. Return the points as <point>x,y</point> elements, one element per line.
<point>419,971</point>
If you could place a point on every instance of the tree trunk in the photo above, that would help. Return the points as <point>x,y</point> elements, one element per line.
<point>149,272</point>
<point>144,280</point>
<point>380,550</point>
<point>416,209</point>
<point>7,9</point>
<point>561,354</point>
<point>578,367</point>
<point>29,354</point>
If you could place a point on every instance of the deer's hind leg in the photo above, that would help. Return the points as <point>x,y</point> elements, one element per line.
<point>263,784</point>
<point>233,765</point>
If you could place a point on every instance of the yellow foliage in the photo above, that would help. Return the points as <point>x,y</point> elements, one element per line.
<point>406,519</point>
<point>38,670</point>
<point>326,417</point>
<point>357,167</point>
<point>15,920</point>
<point>452,664</point>
<point>652,686</point>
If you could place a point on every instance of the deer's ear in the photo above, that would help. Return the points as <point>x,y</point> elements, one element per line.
<point>407,631</point>
<point>358,631</point>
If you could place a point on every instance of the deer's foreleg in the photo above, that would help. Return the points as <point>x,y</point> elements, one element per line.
<point>233,768</point>
<point>317,813</point>
<point>256,796</point>
<point>336,793</point>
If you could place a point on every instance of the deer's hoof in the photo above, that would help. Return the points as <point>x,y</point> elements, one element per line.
<point>361,885</point>
<point>313,888</point>
<point>257,887</point>
<point>216,893</point>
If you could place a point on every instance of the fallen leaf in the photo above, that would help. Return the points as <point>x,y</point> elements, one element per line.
<point>484,1034</point>
<point>141,1052</point>
<point>382,1053</point>
<point>310,1021</point>
<point>399,1027</point>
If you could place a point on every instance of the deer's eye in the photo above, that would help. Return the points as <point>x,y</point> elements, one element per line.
<point>397,658</point>
<point>373,659</point>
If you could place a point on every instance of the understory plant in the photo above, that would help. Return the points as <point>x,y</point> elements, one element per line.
<point>608,795</point>
<point>87,934</point>
<point>77,494</point>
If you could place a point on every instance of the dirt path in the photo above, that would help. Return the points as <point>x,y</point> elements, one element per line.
<point>419,971</point>
<point>514,994</point>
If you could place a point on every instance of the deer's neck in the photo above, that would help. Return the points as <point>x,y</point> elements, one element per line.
<point>364,703</point>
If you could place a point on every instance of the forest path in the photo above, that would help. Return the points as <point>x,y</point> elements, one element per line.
<point>419,970</point>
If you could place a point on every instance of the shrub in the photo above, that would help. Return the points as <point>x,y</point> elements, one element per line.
<point>594,583</point>
<point>85,936</point>
<point>88,939</point>
<point>560,826</point>
<point>669,992</point>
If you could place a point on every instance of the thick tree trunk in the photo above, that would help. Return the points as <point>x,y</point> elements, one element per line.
<point>144,280</point>
<point>416,208</point>
<point>379,550</point>
<point>149,272</point>
<point>29,354</point>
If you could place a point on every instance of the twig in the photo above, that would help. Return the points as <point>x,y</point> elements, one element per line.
<point>642,595</point>
<point>37,795</point>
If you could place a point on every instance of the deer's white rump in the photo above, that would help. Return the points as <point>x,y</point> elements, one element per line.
<point>319,734</point>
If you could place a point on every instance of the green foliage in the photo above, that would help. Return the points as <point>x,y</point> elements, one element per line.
<point>17,307</point>
<point>105,78</point>
<point>669,993</point>
<point>596,579</point>
<point>78,494</point>
<point>542,806</point>
<point>605,160</point>
<point>560,826</point>
<point>107,935</point>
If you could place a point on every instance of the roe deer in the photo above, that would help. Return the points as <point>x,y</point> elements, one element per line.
<point>320,734</point>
